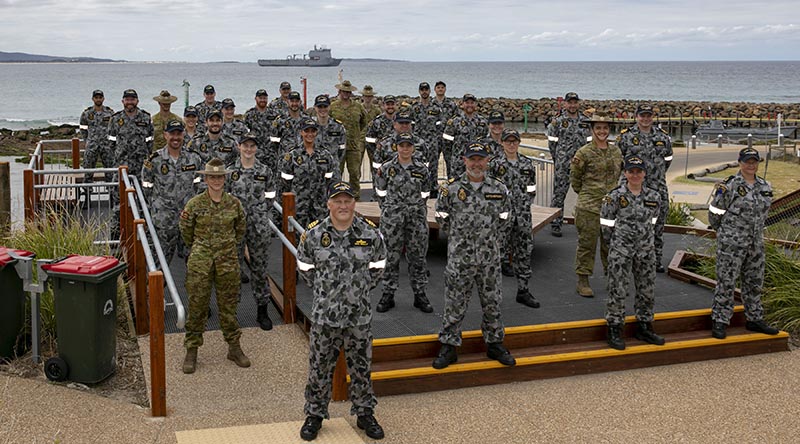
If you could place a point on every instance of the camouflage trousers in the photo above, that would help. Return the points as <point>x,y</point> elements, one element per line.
<point>736,260</point>
<point>433,167</point>
<point>409,229</point>
<point>134,169</point>
<point>659,227</point>
<point>324,343</point>
<point>624,261</point>
<point>518,244</point>
<point>560,188</point>
<point>352,159</point>
<point>92,154</point>
<point>588,225</point>
<point>459,280</point>
<point>257,238</point>
<point>169,236</point>
<point>204,269</point>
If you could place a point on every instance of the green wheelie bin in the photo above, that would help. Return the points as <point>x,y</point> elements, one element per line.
<point>12,304</point>
<point>85,293</point>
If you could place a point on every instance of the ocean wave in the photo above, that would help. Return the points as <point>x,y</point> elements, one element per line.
<point>16,124</point>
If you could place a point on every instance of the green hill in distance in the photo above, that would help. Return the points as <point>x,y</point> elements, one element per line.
<point>21,57</point>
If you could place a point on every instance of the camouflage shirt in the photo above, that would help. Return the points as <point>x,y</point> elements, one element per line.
<point>654,148</point>
<point>565,135</point>
<point>234,129</point>
<point>354,119</point>
<point>594,172</point>
<point>286,132</point>
<point>428,121</point>
<point>204,108</point>
<point>131,138</point>
<point>403,188</point>
<point>279,106</point>
<point>495,148</point>
<point>448,107</point>
<point>332,137</point>
<point>377,129</point>
<point>308,176</point>
<point>387,150</point>
<point>461,130</point>
<point>159,123</point>
<point>224,148</point>
<point>475,220</point>
<point>341,268</point>
<point>260,123</point>
<point>213,228</point>
<point>738,210</point>
<point>168,183</point>
<point>520,179</point>
<point>94,126</point>
<point>254,187</point>
<point>628,220</point>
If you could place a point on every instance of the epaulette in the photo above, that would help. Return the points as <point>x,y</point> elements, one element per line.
<point>625,130</point>
<point>153,155</point>
<point>88,108</point>
<point>728,179</point>
<point>144,111</point>
<point>451,180</point>
<point>369,222</point>
<point>662,130</point>
<point>338,121</point>
<point>313,224</point>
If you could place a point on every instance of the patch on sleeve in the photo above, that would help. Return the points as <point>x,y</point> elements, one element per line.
<point>313,224</point>
<point>184,215</point>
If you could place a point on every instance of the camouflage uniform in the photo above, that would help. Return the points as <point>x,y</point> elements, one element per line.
<point>656,150</point>
<point>738,212</point>
<point>520,179</point>
<point>308,176</point>
<point>234,129</point>
<point>594,172</point>
<point>280,106</point>
<point>212,230</point>
<point>168,184</point>
<point>286,133</point>
<point>402,193</point>
<point>159,123</point>
<point>354,119</point>
<point>94,131</point>
<point>198,132</point>
<point>565,135</point>
<point>476,222</point>
<point>428,120</point>
<point>204,108</point>
<point>628,223</point>
<point>131,141</point>
<point>377,129</point>
<point>260,123</point>
<point>459,132</point>
<point>224,148</point>
<point>387,150</point>
<point>448,106</point>
<point>332,137</point>
<point>495,148</point>
<point>255,189</point>
<point>341,312</point>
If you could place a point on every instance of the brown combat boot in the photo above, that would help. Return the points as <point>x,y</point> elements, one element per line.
<point>583,286</point>
<point>236,355</point>
<point>190,361</point>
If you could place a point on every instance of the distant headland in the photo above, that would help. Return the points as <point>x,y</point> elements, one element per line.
<point>21,57</point>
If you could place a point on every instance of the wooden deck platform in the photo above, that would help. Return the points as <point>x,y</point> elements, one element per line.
<point>59,196</point>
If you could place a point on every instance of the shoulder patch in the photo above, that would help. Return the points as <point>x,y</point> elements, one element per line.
<point>370,223</point>
<point>625,130</point>
<point>451,180</point>
<point>313,224</point>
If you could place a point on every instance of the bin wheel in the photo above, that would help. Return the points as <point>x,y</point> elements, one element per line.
<point>56,369</point>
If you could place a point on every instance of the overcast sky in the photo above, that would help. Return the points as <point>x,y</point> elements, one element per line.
<point>442,30</point>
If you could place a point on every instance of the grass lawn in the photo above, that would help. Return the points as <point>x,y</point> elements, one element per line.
<point>784,177</point>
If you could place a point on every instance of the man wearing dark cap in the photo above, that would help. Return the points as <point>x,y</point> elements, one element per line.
<point>518,173</point>
<point>231,126</point>
<point>164,115</point>
<point>259,120</point>
<point>191,122</point>
<point>427,116</point>
<point>473,210</point>
<point>654,146</point>
<point>380,126</point>
<point>308,171</point>
<point>213,143</point>
<point>285,131</point>
<point>738,213</point>
<point>493,139</point>
<point>208,104</point>
<point>94,131</point>
<point>331,134</point>
<point>460,131</point>
<point>338,245</point>
<point>169,180</point>
<point>448,106</point>
<point>255,186</point>
<point>387,147</point>
<point>354,118</point>
<point>566,133</point>
<point>628,218</point>
<point>281,103</point>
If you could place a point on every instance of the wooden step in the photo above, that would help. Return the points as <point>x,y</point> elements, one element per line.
<point>403,365</point>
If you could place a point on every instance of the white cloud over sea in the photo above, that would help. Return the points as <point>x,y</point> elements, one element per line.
<point>245,30</point>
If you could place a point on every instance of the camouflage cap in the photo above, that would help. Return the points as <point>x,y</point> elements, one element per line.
<point>509,133</point>
<point>308,123</point>
<point>469,96</point>
<point>388,98</point>
<point>214,113</point>
<point>404,138</point>
<point>228,103</point>
<point>403,117</point>
<point>368,91</point>
<point>165,97</point>
<point>262,93</point>
<point>424,85</point>
<point>130,93</point>
<point>190,111</point>
<point>285,85</point>
<point>571,96</point>
<point>496,117</point>
<point>173,125</point>
<point>633,161</point>
<point>214,167</point>
<point>644,108</point>
<point>476,149</point>
<point>322,100</point>
<point>294,95</point>
<point>98,92</point>
<point>340,187</point>
<point>209,89</point>
<point>749,153</point>
<point>250,135</point>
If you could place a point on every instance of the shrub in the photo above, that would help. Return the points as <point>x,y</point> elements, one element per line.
<point>679,214</point>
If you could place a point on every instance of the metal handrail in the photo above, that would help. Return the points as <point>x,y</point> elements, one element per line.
<point>283,238</point>
<point>295,224</point>
<point>74,171</point>
<point>132,181</point>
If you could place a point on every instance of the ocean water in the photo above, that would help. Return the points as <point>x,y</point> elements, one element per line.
<point>37,95</point>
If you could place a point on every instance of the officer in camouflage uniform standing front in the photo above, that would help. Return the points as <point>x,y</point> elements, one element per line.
<point>402,186</point>
<point>331,135</point>
<point>259,120</point>
<point>380,127</point>
<point>212,225</point>
<point>337,246</point>
<point>427,116</point>
<point>460,131</point>
<point>566,133</point>
<point>654,146</point>
<point>94,131</point>
<point>254,185</point>
<point>519,175</point>
<point>169,180</point>
<point>354,118</point>
<point>738,212</point>
<point>473,210</point>
<point>628,218</point>
<point>213,143</point>
<point>594,172</point>
<point>209,103</point>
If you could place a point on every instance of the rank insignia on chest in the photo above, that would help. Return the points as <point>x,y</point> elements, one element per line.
<point>392,172</point>
<point>650,203</point>
<point>635,140</point>
<point>362,242</point>
<point>299,160</point>
<point>235,175</point>
<point>394,147</point>
<point>164,169</point>
<point>501,170</point>
<point>287,156</point>
<point>741,190</point>
<point>463,123</point>
<point>91,117</point>
<point>766,193</point>
<point>493,196</point>
<point>121,122</point>
<point>623,202</point>
<point>565,124</point>
<point>659,143</point>
<point>203,148</point>
<point>326,240</point>
<point>462,195</point>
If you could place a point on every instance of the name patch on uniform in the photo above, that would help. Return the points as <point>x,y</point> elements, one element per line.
<point>583,125</point>
<point>322,160</point>
<point>766,193</point>
<point>141,123</point>
<point>225,149</point>
<point>493,196</point>
<point>650,203</point>
<point>659,143</point>
<point>189,168</point>
<point>417,175</point>
<point>326,239</point>
<point>261,178</point>
<point>362,242</point>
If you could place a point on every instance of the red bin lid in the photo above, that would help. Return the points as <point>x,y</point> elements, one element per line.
<point>5,258</point>
<point>83,265</point>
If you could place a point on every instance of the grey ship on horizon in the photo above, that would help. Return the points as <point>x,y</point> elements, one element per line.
<point>316,57</point>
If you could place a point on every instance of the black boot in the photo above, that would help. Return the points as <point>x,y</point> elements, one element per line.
<point>311,428</point>
<point>555,230</point>
<point>501,354</point>
<point>718,330</point>
<point>386,303</point>
<point>615,340</point>
<point>645,333</point>
<point>447,355</point>
<point>507,269</point>
<point>370,426</point>
<point>761,327</point>
<point>262,317</point>
<point>421,301</point>
<point>525,297</point>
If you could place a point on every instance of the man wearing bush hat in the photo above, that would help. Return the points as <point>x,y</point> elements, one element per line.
<point>354,118</point>
<point>160,119</point>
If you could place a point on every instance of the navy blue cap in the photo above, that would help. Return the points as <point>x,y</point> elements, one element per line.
<point>633,161</point>
<point>571,96</point>
<point>403,117</point>
<point>644,108</point>
<point>209,89</point>
<point>130,93</point>
<point>404,138</point>
<point>190,111</point>
<point>308,123</point>
<point>748,153</point>
<point>228,102</point>
<point>294,95</point>
<point>389,98</point>
<point>476,149</point>
<point>173,125</point>
<point>262,92</point>
<point>496,117</point>
<point>214,112</point>
<point>322,100</point>
<point>339,188</point>
<point>440,83</point>
<point>469,96</point>
<point>248,136</point>
<point>98,92</point>
<point>509,133</point>
<point>424,85</point>
<point>285,85</point>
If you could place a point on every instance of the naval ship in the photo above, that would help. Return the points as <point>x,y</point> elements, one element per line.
<point>316,57</point>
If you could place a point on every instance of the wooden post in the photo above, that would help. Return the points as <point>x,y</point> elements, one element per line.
<point>76,153</point>
<point>340,379</point>
<point>289,262</point>
<point>5,198</point>
<point>158,373</point>
<point>29,194</point>
<point>140,283</point>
